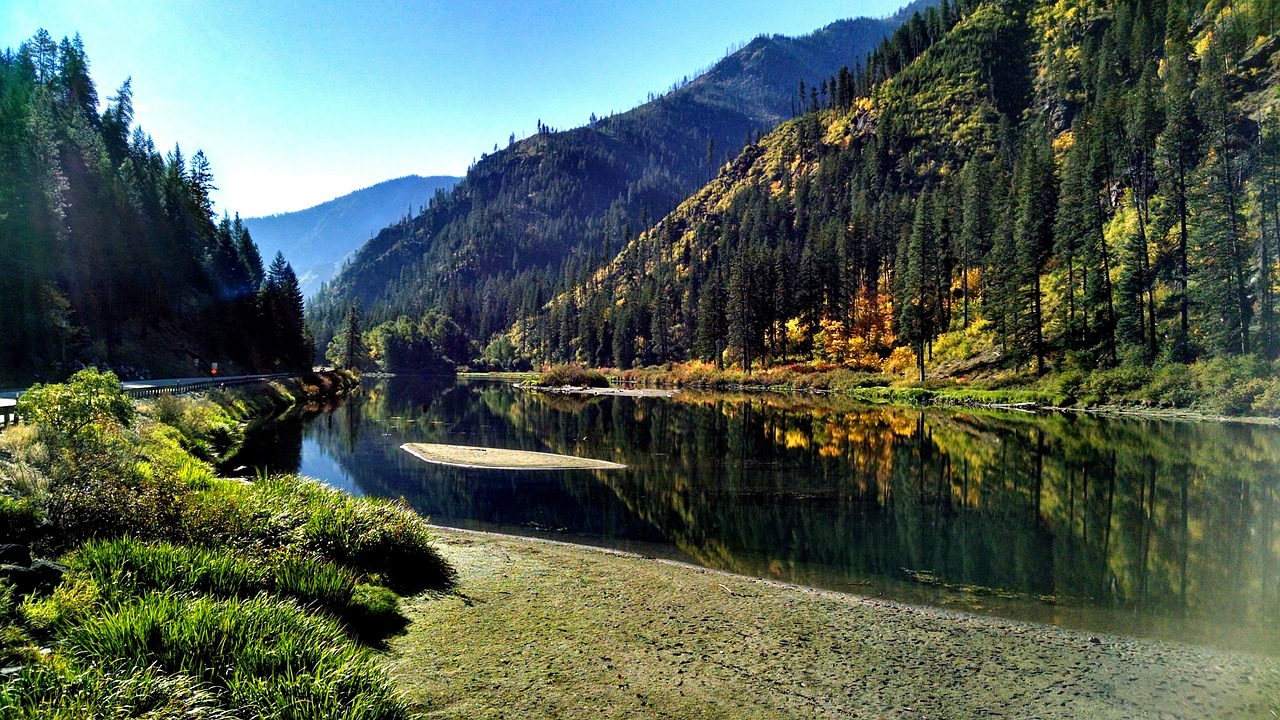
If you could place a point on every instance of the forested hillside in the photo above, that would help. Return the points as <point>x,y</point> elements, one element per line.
<point>1019,184</point>
<point>109,250</point>
<point>547,210</point>
<point>318,240</point>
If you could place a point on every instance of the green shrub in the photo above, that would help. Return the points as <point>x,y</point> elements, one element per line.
<point>19,518</point>
<point>90,402</point>
<point>15,644</point>
<point>1115,384</point>
<point>203,428</point>
<point>107,505</point>
<point>575,375</point>
<point>73,600</point>
<point>1170,386</point>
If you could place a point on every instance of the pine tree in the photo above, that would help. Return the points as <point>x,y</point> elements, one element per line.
<point>1178,147</point>
<point>348,349</point>
<point>284,307</point>
<point>1221,288</point>
<point>712,326</point>
<point>1268,182</point>
<point>974,239</point>
<point>1035,194</point>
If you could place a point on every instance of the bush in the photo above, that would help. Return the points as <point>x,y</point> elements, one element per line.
<point>19,519</point>
<point>575,375</point>
<point>72,601</point>
<point>203,428</point>
<point>89,402</point>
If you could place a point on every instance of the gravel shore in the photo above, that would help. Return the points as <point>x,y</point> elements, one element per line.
<point>538,629</point>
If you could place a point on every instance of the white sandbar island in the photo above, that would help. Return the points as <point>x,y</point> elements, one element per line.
<point>467,456</point>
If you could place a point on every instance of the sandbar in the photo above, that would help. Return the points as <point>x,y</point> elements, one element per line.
<point>467,456</point>
<point>539,629</point>
<point>597,391</point>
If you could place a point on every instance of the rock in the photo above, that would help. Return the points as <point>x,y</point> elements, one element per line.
<point>15,555</point>
<point>42,575</point>
<point>48,573</point>
<point>19,577</point>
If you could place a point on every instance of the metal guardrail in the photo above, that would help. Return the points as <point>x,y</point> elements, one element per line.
<point>9,414</point>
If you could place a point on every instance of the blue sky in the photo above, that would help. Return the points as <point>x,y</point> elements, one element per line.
<point>299,102</point>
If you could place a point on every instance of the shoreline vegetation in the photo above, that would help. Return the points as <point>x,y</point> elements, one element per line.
<point>588,632</point>
<point>1235,389</point>
<point>135,582</point>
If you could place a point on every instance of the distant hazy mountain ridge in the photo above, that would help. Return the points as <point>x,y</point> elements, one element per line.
<point>319,239</point>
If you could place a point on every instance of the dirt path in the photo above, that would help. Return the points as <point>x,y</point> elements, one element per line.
<point>543,630</point>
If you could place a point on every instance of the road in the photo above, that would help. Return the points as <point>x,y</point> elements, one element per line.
<point>10,396</point>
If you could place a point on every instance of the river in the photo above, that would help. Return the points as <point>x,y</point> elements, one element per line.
<point>1148,528</point>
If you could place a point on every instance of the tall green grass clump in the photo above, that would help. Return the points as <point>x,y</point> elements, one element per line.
<point>63,692</point>
<point>127,567</point>
<point>262,656</point>
<point>383,537</point>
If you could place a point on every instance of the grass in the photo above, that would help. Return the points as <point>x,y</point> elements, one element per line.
<point>262,654</point>
<point>126,567</point>
<point>46,692</point>
<point>190,595</point>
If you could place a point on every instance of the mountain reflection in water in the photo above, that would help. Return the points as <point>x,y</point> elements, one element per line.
<point>1143,527</point>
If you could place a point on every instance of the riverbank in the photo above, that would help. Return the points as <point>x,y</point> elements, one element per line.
<point>1238,389</point>
<point>135,582</point>
<point>541,629</point>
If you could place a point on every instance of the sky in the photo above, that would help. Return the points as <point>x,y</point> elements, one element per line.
<point>296,103</point>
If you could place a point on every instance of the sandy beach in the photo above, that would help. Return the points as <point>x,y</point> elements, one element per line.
<point>538,629</point>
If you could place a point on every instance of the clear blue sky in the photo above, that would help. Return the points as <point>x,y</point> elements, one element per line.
<point>299,102</point>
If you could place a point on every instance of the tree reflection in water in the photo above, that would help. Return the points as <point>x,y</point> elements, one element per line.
<point>1159,528</point>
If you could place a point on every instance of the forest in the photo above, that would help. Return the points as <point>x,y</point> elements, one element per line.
<point>112,254</point>
<point>1016,184</point>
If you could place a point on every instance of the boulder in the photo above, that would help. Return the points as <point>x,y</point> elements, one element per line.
<point>12,554</point>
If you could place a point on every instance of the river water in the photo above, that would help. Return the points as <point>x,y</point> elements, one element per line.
<point>1158,529</point>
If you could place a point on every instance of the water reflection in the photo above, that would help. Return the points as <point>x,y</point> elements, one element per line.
<point>1144,527</point>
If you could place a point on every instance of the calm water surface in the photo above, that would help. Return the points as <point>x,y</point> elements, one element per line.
<point>1139,527</point>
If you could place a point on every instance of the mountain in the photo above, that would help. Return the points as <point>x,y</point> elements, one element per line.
<point>109,251</point>
<point>318,240</point>
<point>547,209</point>
<point>1020,184</point>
